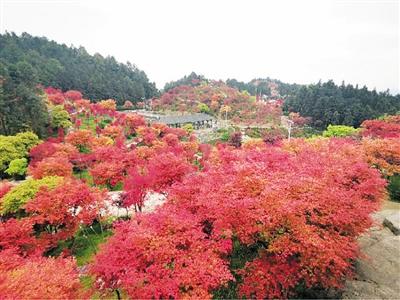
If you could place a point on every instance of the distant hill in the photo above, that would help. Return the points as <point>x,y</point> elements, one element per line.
<point>260,86</point>
<point>324,102</point>
<point>70,68</point>
<point>197,94</point>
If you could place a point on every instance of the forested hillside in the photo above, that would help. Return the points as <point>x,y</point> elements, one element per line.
<point>260,86</point>
<point>327,103</point>
<point>68,68</point>
<point>265,86</point>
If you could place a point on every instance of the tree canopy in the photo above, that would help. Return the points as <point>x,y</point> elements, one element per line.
<point>71,68</point>
<point>327,103</point>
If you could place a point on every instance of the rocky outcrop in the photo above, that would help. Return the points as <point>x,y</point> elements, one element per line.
<point>393,222</point>
<point>378,271</point>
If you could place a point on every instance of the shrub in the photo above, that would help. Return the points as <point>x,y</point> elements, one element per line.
<point>73,95</point>
<point>52,166</point>
<point>202,107</point>
<point>299,216</point>
<point>340,131</point>
<point>15,147</point>
<point>387,127</point>
<point>235,139</point>
<point>5,187</point>
<point>108,104</point>
<point>383,154</point>
<point>40,278</point>
<point>127,104</point>
<point>188,127</point>
<point>26,140</point>
<point>56,213</point>
<point>81,139</point>
<point>60,117</point>
<point>21,194</point>
<point>17,167</point>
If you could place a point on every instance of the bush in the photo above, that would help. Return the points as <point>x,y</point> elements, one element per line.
<point>273,219</point>
<point>17,167</point>
<point>235,139</point>
<point>26,140</point>
<point>21,194</point>
<point>202,107</point>
<point>39,278</point>
<point>340,131</point>
<point>225,133</point>
<point>52,166</point>
<point>188,127</point>
<point>15,147</point>
<point>394,187</point>
<point>60,117</point>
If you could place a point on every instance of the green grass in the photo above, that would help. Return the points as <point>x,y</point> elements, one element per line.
<point>87,243</point>
<point>84,245</point>
<point>84,174</point>
<point>88,123</point>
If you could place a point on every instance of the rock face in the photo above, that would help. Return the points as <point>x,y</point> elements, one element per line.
<point>378,272</point>
<point>393,222</point>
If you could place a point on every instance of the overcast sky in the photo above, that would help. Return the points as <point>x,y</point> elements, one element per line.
<point>294,41</point>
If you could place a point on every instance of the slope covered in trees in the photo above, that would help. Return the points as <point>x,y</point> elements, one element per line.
<point>257,86</point>
<point>327,103</point>
<point>21,105</point>
<point>217,98</point>
<point>71,68</point>
<point>256,219</point>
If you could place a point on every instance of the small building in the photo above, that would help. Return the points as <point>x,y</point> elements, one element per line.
<point>199,120</point>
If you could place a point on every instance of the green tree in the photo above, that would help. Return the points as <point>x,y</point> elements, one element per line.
<point>59,117</point>
<point>340,131</point>
<point>21,194</point>
<point>17,168</point>
<point>70,68</point>
<point>202,107</point>
<point>15,147</point>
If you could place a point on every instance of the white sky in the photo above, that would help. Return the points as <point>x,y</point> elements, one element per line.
<point>294,41</point>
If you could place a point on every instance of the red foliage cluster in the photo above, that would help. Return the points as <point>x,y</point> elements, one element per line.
<point>163,255</point>
<point>51,166</point>
<point>80,138</point>
<point>289,213</point>
<point>18,236</point>
<point>73,95</point>
<point>130,122</point>
<point>51,216</point>
<point>215,95</point>
<point>128,104</point>
<point>57,97</point>
<point>301,209</point>
<point>388,127</point>
<point>39,278</point>
<point>58,213</point>
<point>160,172</point>
<point>383,154</point>
<point>5,187</point>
